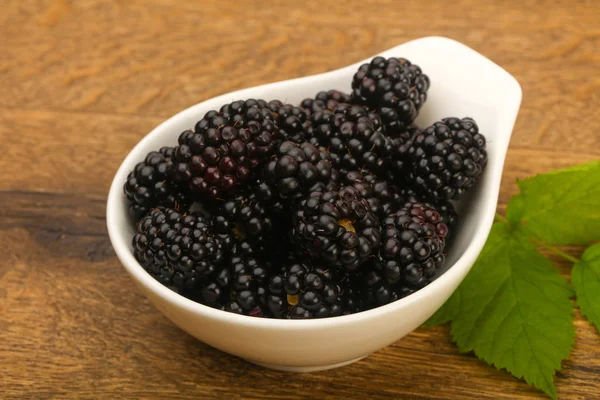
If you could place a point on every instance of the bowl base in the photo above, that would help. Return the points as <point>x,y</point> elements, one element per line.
<point>315,368</point>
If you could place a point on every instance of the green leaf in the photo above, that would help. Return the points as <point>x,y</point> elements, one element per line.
<point>452,307</point>
<point>560,207</point>
<point>586,281</point>
<point>515,311</point>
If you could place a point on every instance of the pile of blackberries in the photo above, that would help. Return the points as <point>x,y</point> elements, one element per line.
<point>334,206</point>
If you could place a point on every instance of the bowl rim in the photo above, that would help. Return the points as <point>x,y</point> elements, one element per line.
<point>139,274</point>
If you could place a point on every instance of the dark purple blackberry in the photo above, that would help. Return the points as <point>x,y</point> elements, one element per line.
<point>394,87</point>
<point>301,290</point>
<point>226,148</point>
<point>412,246</point>
<point>150,185</point>
<point>371,289</point>
<point>383,196</point>
<point>250,273</point>
<point>177,249</point>
<point>245,217</point>
<point>240,286</point>
<point>447,159</point>
<point>445,208</point>
<point>349,133</point>
<point>325,100</point>
<point>404,135</point>
<point>291,120</point>
<point>264,227</point>
<point>298,169</point>
<point>337,228</point>
<point>399,164</point>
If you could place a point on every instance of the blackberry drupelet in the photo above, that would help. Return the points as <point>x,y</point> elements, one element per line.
<point>351,136</point>
<point>325,100</point>
<point>225,149</point>
<point>394,87</point>
<point>177,249</point>
<point>447,159</point>
<point>291,120</point>
<point>298,169</point>
<point>337,229</point>
<point>150,185</point>
<point>413,241</point>
<point>383,196</point>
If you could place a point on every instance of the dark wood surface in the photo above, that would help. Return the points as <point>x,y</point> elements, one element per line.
<point>82,81</point>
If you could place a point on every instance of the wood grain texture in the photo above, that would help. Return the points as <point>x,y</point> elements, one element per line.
<point>82,81</point>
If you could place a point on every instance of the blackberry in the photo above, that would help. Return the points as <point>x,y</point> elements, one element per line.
<point>445,208</point>
<point>400,164</point>
<point>337,228</point>
<point>394,87</point>
<point>412,248</point>
<point>383,197</point>
<point>279,209</point>
<point>401,136</point>
<point>447,159</point>
<point>298,169</point>
<point>245,217</point>
<point>241,285</point>
<point>372,289</point>
<point>325,100</point>
<point>291,120</point>
<point>249,288</point>
<point>254,226</point>
<point>150,185</point>
<point>177,249</point>
<point>225,149</point>
<point>351,136</point>
<point>309,291</point>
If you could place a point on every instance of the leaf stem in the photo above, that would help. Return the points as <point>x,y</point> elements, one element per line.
<point>500,218</point>
<point>556,251</point>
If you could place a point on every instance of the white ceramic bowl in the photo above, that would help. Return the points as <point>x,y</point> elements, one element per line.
<point>463,83</point>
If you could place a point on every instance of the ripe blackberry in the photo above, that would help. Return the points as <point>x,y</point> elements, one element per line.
<point>394,86</point>
<point>401,136</point>
<point>250,273</point>
<point>447,159</point>
<point>325,100</point>
<point>177,249</point>
<point>372,289</point>
<point>291,120</point>
<point>257,227</point>
<point>309,291</point>
<point>413,241</point>
<point>298,169</point>
<point>399,164</point>
<point>226,148</point>
<point>243,216</point>
<point>351,136</point>
<point>150,185</point>
<point>240,286</point>
<point>337,228</point>
<point>445,208</point>
<point>383,196</point>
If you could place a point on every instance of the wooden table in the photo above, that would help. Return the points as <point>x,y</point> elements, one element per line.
<point>82,81</point>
